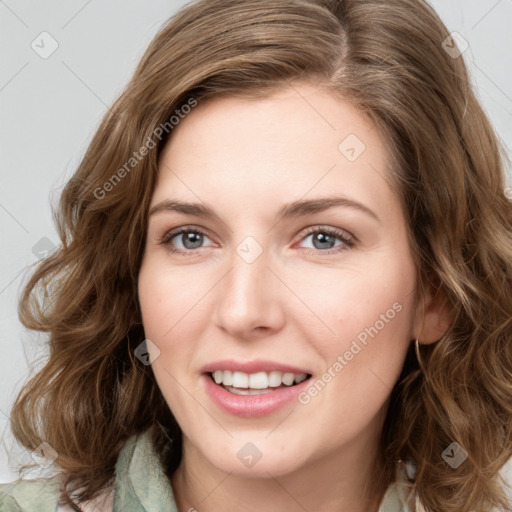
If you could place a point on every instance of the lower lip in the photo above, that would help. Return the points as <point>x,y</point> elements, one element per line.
<point>252,406</point>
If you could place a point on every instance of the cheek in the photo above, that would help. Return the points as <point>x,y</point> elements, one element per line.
<point>376,325</point>
<point>372,320</point>
<point>172,316</point>
<point>370,309</point>
<point>377,303</point>
<point>356,298</point>
<point>169,300</point>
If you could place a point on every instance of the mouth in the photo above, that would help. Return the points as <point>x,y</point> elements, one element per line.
<point>260,383</point>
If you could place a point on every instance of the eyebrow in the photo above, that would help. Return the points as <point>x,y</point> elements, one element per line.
<point>293,209</point>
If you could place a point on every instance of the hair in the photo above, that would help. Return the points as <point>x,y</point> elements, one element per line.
<point>385,57</point>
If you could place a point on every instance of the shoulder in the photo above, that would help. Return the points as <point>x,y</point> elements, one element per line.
<point>44,494</point>
<point>41,494</point>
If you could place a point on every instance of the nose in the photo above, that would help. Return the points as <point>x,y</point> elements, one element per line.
<point>249,301</point>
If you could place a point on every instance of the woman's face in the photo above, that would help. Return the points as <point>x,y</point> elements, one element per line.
<point>295,258</point>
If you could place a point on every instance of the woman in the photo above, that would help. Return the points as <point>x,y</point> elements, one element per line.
<point>285,278</point>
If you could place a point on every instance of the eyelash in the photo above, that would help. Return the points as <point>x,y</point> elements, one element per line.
<point>348,241</point>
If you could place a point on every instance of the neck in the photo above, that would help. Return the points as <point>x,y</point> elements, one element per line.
<point>343,481</point>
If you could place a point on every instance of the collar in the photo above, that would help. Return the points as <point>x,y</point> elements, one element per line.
<point>141,483</point>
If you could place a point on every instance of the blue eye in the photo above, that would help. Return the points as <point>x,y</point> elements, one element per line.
<point>190,239</point>
<point>325,240</point>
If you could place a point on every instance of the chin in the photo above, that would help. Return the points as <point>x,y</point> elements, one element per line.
<point>248,461</point>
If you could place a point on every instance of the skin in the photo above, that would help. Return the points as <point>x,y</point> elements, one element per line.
<point>293,304</point>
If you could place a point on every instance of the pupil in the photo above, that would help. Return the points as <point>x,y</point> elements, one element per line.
<point>325,241</point>
<point>192,240</point>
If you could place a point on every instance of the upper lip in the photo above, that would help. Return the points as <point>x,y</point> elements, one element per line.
<point>254,366</point>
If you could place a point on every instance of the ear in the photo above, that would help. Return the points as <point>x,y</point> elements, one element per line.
<point>433,315</point>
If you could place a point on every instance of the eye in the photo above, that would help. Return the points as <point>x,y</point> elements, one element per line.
<point>323,239</point>
<point>184,240</point>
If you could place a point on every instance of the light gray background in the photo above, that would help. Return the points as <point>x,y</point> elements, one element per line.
<point>51,107</point>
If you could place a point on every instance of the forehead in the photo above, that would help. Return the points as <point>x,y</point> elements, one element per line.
<point>299,140</point>
<point>286,118</point>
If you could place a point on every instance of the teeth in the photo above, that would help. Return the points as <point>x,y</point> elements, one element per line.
<point>256,381</point>
<point>300,378</point>
<point>288,378</point>
<point>260,380</point>
<point>217,376</point>
<point>249,391</point>
<point>274,379</point>
<point>227,378</point>
<point>240,380</point>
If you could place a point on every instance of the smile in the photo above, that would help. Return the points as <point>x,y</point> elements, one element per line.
<point>253,395</point>
<point>255,383</point>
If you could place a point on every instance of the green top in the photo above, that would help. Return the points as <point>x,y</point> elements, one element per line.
<point>140,486</point>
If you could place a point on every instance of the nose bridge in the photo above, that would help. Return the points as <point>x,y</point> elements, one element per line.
<point>248,295</point>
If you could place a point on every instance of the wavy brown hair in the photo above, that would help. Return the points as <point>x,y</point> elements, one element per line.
<point>384,56</point>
